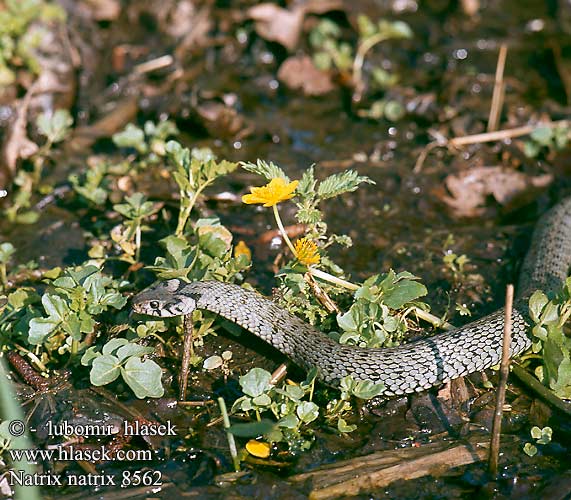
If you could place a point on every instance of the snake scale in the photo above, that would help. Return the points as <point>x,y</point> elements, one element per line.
<point>411,367</point>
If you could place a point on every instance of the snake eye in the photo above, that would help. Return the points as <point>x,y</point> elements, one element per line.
<point>154,304</point>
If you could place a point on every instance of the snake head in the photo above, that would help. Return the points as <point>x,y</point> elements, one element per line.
<point>165,300</point>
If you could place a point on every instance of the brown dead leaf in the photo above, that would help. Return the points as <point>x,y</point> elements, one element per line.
<point>299,72</point>
<point>277,24</point>
<point>469,190</point>
<point>103,10</point>
<point>221,120</point>
<point>16,144</point>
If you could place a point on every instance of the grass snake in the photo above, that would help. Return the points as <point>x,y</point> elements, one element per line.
<point>411,367</point>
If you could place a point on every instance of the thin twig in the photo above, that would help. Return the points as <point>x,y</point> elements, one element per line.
<point>502,134</point>
<point>432,319</point>
<point>501,391</point>
<point>498,135</point>
<point>499,87</point>
<point>279,373</point>
<point>321,295</point>
<point>187,354</point>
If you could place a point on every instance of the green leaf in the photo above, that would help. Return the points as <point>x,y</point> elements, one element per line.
<point>131,349</point>
<point>306,186</point>
<point>542,135</point>
<point>307,411</point>
<point>22,298</point>
<point>112,345</point>
<point>89,356</point>
<point>104,370</point>
<point>255,382</point>
<point>531,150</point>
<point>262,400</point>
<point>212,362</point>
<point>55,306</point>
<point>343,182</point>
<point>367,390</point>
<point>40,328</point>
<point>113,299</point>
<point>6,252</point>
<point>537,302</point>
<point>348,321</point>
<point>143,377</point>
<point>289,421</point>
<point>55,126</point>
<point>268,170</point>
<point>252,429</point>
<point>343,427</point>
<point>131,137</point>
<point>403,292</point>
<point>530,449</point>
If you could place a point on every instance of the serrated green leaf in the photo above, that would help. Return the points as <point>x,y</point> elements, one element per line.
<point>55,126</point>
<point>343,182</point>
<point>268,170</point>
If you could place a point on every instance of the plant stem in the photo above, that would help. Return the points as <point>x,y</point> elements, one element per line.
<point>138,241</point>
<point>333,279</point>
<point>362,50</point>
<point>283,231</point>
<point>229,435</point>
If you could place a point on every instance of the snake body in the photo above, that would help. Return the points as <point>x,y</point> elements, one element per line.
<point>411,367</point>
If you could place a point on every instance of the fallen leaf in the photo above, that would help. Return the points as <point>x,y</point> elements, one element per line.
<point>277,24</point>
<point>17,144</point>
<point>470,189</point>
<point>221,120</point>
<point>299,72</point>
<point>104,10</point>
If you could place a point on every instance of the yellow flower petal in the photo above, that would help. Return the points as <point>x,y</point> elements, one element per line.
<point>306,252</point>
<point>258,448</point>
<point>242,249</point>
<point>276,191</point>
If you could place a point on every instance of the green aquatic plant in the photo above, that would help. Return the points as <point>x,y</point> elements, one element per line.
<point>21,33</point>
<point>551,342</point>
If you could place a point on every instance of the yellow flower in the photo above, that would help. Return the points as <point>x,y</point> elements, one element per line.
<point>276,191</point>
<point>258,448</point>
<point>306,252</point>
<point>242,249</point>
